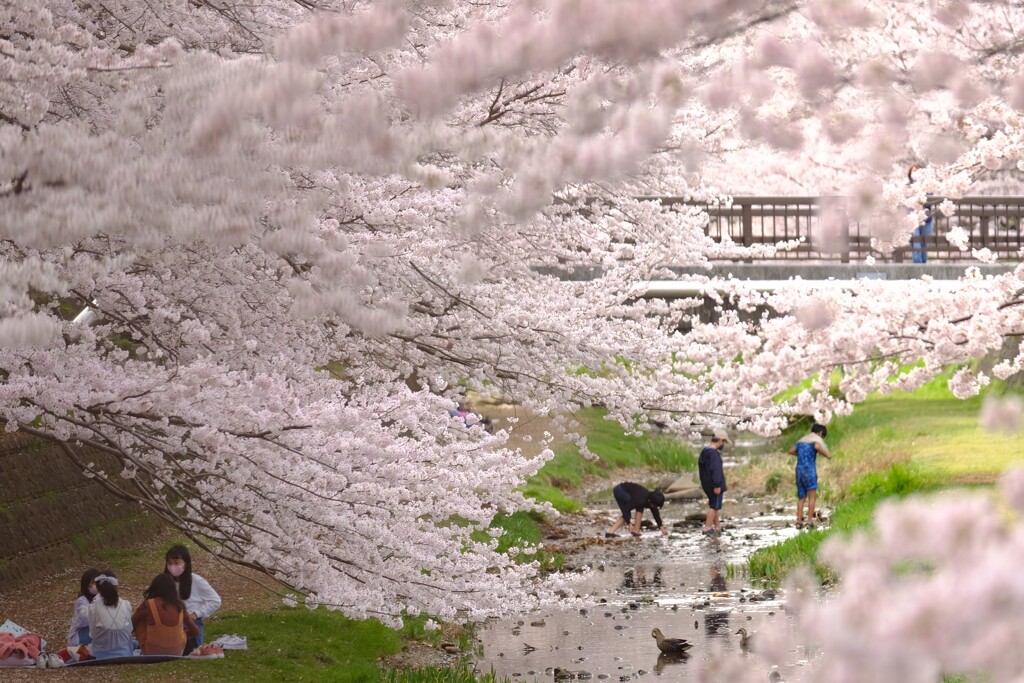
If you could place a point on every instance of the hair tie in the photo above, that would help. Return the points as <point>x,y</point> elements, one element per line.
<point>103,578</point>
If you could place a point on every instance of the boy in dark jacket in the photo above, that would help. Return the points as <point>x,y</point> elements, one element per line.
<point>712,480</point>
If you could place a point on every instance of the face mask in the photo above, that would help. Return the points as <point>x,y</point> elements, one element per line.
<point>175,570</point>
<point>92,590</point>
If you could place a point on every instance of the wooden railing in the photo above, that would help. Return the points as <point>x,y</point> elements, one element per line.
<point>992,222</point>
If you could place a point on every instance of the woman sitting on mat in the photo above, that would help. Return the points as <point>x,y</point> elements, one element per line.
<point>162,624</point>
<point>110,620</point>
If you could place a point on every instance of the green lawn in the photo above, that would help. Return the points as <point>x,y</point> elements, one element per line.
<point>942,435</point>
<point>297,644</point>
<point>896,445</point>
<point>615,450</point>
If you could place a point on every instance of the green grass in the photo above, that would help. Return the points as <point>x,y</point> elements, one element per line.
<point>935,440</point>
<point>772,564</point>
<point>320,644</point>
<point>941,435</point>
<point>306,645</point>
<point>458,674</point>
<point>523,527</point>
<point>568,469</point>
<point>615,450</point>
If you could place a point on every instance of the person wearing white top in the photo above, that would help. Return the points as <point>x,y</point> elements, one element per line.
<point>198,595</point>
<point>78,634</point>
<point>110,620</point>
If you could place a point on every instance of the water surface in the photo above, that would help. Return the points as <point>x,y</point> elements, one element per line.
<point>687,585</point>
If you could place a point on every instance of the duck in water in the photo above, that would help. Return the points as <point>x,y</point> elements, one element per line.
<point>670,645</point>
<point>746,639</point>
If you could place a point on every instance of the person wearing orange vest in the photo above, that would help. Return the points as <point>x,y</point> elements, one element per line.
<point>162,624</point>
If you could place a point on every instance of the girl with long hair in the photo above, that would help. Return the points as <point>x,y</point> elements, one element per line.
<point>196,592</point>
<point>78,634</point>
<point>162,624</point>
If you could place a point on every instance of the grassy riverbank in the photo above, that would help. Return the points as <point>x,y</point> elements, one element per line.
<point>890,446</point>
<point>302,645</point>
<point>893,446</point>
<point>296,644</point>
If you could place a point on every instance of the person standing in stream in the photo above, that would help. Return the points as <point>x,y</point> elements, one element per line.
<point>807,450</point>
<point>712,480</point>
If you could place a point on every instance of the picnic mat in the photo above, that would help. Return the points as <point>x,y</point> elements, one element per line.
<point>140,659</point>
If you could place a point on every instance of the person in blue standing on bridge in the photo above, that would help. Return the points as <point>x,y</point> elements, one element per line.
<point>712,480</point>
<point>919,240</point>
<point>807,450</point>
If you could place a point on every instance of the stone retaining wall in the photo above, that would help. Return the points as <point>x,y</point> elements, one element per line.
<point>52,517</point>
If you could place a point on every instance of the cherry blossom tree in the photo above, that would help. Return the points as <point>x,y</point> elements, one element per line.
<point>303,229</point>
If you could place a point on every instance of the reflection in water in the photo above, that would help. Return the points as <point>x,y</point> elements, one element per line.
<point>717,579</point>
<point>690,596</point>
<point>636,577</point>
<point>669,659</point>
<point>717,622</point>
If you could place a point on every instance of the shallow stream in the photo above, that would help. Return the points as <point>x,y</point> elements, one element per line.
<point>688,585</point>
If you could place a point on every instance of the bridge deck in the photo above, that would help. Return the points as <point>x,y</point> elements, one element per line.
<point>992,223</point>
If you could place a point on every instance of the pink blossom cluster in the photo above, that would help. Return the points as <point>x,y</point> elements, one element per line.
<point>937,579</point>
<point>930,592</point>
<point>303,231</point>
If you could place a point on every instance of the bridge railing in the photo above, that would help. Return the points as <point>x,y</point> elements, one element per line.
<point>991,222</point>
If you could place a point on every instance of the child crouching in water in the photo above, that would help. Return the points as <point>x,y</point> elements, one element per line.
<point>162,624</point>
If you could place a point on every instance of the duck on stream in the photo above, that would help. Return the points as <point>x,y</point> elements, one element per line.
<point>746,639</point>
<point>670,645</point>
